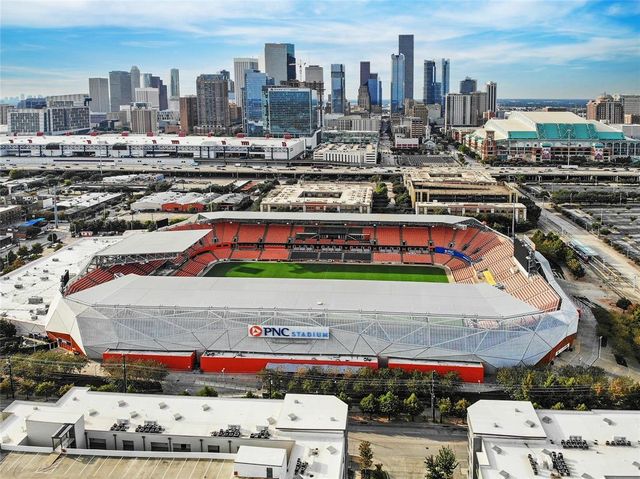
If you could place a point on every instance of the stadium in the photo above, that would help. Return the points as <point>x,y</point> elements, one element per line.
<point>243,291</point>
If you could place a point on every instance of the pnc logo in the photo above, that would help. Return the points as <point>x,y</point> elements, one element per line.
<point>255,331</point>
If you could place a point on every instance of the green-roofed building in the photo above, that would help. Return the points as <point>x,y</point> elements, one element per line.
<point>540,136</point>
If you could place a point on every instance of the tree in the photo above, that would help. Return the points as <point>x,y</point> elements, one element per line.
<point>441,466</point>
<point>26,387</point>
<point>444,406</point>
<point>5,387</point>
<point>461,408</point>
<point>52,237</point>
<point>7,329</point>
<point>23,251</point>
<point>45,388</point>
<point>623,303</point>
<point>62,390</point>
<point>389,404</point>
<point>366,457</point>
<point>558,406</point>
<point>36,248</point>
<point>412,406</point>
<point>11,257</point>
<point>207,391</point>
<point>369,405</point>
<point>250,395</point>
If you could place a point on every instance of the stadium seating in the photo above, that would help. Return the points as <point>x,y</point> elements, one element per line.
<point>245,254</point>
<point>415,236</point>
<point>250,233</point>
<point>97,276</point>
<point>277,234</point>
<point>380,257</point>
<point>222,253</point>
<point>441,236</point>
<point>274,254</point>
<point>417,258</point>
<point>301,255</point>
<point>464,237</point>
<point>464,274</point>
<point>388,235</point>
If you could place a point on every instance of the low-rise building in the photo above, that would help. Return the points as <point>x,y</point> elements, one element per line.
<point>441,184</point>
<point>462,208</point>
<point>298,436</point>
<point>511,439</point>
<point>10,214</point>
<point>174,201</point>
<point>353,123</point>
<point>320,197</point>
<point>356,154</point>
<point>77,206</point>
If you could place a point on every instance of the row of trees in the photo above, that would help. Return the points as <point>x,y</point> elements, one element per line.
<point>569,387</point>
<point>390,405</point>
<point>591,197</point>
<point>621,328</point>
<point>552,246</point>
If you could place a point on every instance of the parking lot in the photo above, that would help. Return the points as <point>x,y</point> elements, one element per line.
<point>623,222</point>
<point>426,160</point>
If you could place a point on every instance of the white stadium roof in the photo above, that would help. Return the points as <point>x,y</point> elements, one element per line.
<point>155,243</point>
<point>480,300</point>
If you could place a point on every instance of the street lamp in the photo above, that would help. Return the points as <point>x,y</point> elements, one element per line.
<point>599,345</point>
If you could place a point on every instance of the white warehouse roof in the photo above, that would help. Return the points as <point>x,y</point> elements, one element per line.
<point>155,243</point>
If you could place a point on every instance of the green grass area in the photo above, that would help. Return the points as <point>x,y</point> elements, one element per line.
<point>373,272</point>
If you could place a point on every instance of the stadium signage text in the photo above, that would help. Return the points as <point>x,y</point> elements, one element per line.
<point>452,252</point>
<point>288,332</point>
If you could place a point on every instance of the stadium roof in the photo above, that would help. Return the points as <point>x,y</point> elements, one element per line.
<point>154,243</point>
<point>479,300</point>
<point>370,219</point>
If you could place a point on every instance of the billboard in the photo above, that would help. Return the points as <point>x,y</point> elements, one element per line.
<point>287,332</point>
<point>452,252</point>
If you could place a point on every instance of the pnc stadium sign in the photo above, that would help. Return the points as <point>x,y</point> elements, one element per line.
<point>288,332</point>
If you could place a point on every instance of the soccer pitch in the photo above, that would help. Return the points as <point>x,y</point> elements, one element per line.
<point>372,272</point>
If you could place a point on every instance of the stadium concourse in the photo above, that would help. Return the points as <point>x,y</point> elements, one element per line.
<point>149,295</point>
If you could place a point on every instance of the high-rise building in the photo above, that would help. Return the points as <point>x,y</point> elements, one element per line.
<point>240,66</point>
<point>397,83</point>
<point>605,108</point>
<point>365,72</point>
<point>364,99</point>
<point>444,72</point>
<point>135,79</point>
<point>374,89</point>
<point>465,109</point>
<point>314,74</point>
<point>143,119</point>
<point>56,120</point>
<point>146,80</point>
<point>254,81</point>
<point>99,93</point>
<point>4,113</point>
<point>338,99</point>
<point>119,89</point>
<point>468,85</point>
<point>156,82</point>
<point>280,61</point>
<point>175,83</point>
<point>227,76</point>
<point>213,102</point>
<point>188,113</point>
<point>492,96</point>
<point>630,104</point>
<point>405,47</point>
<point>150,96</point>
<point>291,111</point>
<point>429,96</point>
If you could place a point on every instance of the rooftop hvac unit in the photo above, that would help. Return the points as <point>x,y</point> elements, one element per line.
<point>205,407</point>
<point>121,403</point>
<point>292,416</point>
<point>546,419</point>
<point>530,423</point>
<point>150,423</point>
<point>162,404</point>
<point>271,420</point>
<point>18,286</point>
<point>92,412</point>
<point>331,449</point>
<point>133,414</point>
<point>55,260</point>
<point>122,421</point>
<point>177,416</point>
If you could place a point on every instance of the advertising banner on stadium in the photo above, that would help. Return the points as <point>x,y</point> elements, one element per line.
<point>452,252</point>
<point>288,332</point>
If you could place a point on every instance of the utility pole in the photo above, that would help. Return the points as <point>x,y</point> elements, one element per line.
<point>13,390</point>
<point>433,397</point>
<point>124,373</point>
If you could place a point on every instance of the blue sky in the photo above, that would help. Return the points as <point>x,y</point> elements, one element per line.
<point>533,49</point>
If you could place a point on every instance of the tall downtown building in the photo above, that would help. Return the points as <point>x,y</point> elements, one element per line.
<point>397,83</point>
<point>280,61</point>
<point>314,74</point>
<point>468,85</point>
<point>445,72</point>
<point>213,102</point>
<point>254,82</point>
<point>338,99</point>
<point>119,89</point>
<point>291,111</point>
<point>240,66</point>
<point>492,96</point>
<point>188,113</point>
<point>175,83</point>
<point>405,47</point>
<point>431,89</point>
<point>135,79</point>
<point>99,93</point>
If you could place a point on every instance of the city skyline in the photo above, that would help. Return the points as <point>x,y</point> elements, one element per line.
<point>533,49</point>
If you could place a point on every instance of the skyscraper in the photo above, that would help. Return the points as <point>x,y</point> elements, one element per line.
<point>175,83</point>
<point>188,113</point>
<point>146,80</point>
<point>429,96</point>
<point>492,96</point>
<point>397,83</point>
<point>280,61</point>
<point>156,82</point>
<point>605,107</point>
<point>405,47</point>
<point>444,71</point>
<point>213,102</point>
<point>373,86</point>
<point>254,81</point>
<point>240,66</point>
<point>365,72</point>
<point>119,89</point>
<point>468,85</point>
<point>150,96</point>
<point>314,74</point>
<point>290,110</point>
<point>99,93</point>
<point>135,79</point>
<point>337,88</point>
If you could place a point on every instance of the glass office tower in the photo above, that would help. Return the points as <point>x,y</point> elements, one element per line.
<point>290,110</point>
<point>397,83</point>
<point>254,81</point>
<point>338,99</point>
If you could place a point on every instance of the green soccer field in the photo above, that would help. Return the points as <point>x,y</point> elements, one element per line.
<point>373,272</point>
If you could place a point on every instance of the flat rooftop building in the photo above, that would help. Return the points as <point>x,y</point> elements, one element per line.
<point>320,197</point>
<point>265,438</point>
<point>173,201</point>
<point>359,154</point>
<point>511,439</point>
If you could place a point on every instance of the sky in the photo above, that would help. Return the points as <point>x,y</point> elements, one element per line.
<point>532,49</point>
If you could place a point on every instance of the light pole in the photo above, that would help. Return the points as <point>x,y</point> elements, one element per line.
<point>599,345</point>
